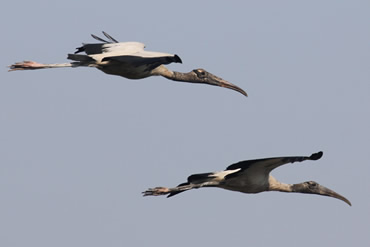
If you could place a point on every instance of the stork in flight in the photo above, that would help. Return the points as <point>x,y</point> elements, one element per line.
<point>128,59</point>
<point>250,176</point>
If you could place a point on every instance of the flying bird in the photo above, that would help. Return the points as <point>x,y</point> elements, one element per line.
<point>250,176</point>
<point>130,60</point>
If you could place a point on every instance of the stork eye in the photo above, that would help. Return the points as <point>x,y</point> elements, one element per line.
<point>200,72</point>
<point>312,184</point>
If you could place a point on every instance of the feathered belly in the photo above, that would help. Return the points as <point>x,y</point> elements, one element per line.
<point>129,72</point>
<point>250,184</point>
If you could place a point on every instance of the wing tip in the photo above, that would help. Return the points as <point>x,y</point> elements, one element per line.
<point>110,37</point>
<point>316,156</point>
<point>177,59</point>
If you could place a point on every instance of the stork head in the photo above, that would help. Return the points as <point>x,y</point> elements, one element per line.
<point>312,187</point>
<point>203,76</point>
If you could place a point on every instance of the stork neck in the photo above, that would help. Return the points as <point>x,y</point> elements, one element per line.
<point>173,75</point>
<point>186,77</point>
<point>163,71</point>
<point>275,185</point>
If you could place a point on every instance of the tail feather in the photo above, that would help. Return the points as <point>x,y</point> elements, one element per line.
<point>80,58</point>
<point>200,178</point>
<point>177,192</point>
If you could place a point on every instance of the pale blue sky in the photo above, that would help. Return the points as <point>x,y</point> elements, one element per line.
<point>77,146</point>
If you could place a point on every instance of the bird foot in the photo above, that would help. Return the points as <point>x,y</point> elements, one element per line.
<point>26,65</point>
<point>157,191</point>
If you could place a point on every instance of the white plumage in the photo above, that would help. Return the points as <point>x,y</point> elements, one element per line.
<point>126,49</point>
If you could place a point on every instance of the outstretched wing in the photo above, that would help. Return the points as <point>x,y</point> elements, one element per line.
<point>149,62</point>
<point>268,164</point>
<point>113,47</point>
<point>126,52</point>
<point>103,40</point>
<point>110,37</point>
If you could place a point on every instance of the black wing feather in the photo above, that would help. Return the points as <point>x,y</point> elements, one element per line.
<point>272,163</point>
<point>177,192</point>
<point>150,62</point>
<point>98,38</point>
<point>194,179</point>
<point>110,37</point>
<point>199,178</point>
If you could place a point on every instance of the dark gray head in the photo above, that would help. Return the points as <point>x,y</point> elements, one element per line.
<point>312,187</point>
<point>203,76</point>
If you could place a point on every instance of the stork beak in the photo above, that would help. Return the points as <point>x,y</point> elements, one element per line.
<point>321,190</point>
<point>217,81</point>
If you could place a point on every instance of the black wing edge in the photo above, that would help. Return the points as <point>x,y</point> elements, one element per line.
<point>247,163</point>
<point>110,37</point>
<point>98,38</point>
<point>199,178</point>
<point>112,40</point>
<point>175,193</point>
<point>83,47</point>
<point>150,63</point>
<point>316,156</point>
<point>177,59</point>
<point>194,179</point>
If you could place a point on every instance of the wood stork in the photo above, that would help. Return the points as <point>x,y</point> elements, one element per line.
<point>250,176</point>
<point>128,59</point>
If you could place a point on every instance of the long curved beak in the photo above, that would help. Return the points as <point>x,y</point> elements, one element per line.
<point>217,81</point>
<point>321,190</point>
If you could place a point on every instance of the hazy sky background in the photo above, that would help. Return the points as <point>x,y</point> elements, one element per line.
<point>77,146</point>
